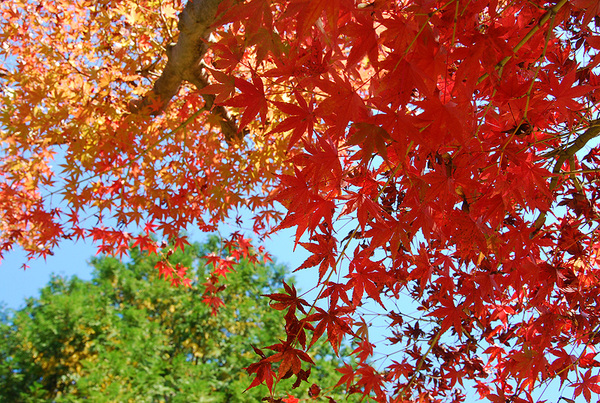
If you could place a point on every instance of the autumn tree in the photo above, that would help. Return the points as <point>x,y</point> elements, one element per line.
<point>440,152</point>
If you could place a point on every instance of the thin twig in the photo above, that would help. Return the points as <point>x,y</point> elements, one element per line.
<point>592,131</point>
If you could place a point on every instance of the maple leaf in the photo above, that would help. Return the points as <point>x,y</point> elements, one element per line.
<point>145,243</point>
<point>364,350</point>
<point>307,12</point>
<point>168,11</point>
<point>312,208</point>
<point>562,363</point>
<point>289,301</point>
<point>334,291</point>
<point>213,302</point>
<point>334,322</point>
<point>565,94</point>
<point>322,160</point>
<point>365,40</point>
<point>264,373</point>
<point>397,319</point>
<point>347,378</point>
<point>372,140</point>
<point>301,119</point>
<point>361,282</point>
<point>252,99</point>
<point>589,383</point>
<point>290,359</point>
<point>451,316</point>
<point>302,376</point>
<point>366,208</point>
<point>343,104</point>
<point>323,253</point>
<point>225,266</point>
<point>371,381</point>
<point>164,269</point>
<point>180,242</point>
<point>212,258</point>
<point>590,8</point>
<point>224,90</point>
<point>314,390</point>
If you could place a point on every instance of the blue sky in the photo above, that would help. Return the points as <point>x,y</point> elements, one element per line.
<point>72,258</point>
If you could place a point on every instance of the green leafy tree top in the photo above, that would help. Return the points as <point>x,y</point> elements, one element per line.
<point>128,335</point>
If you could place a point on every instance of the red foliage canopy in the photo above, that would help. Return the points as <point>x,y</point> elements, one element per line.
<point>436,157</point>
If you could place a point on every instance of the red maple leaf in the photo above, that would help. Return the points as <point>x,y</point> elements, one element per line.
<point>224,90</point>
<point>365,39</point>
<point>323,253</point>
<point>347,378</point>
<point>301,119</point>
<point>252,99</point>
<point>587,384</point>
<point>335,291</point>
<point>565,94</point>
<point>289,301</point>
<point>290,359</point>
<point>264,373</point>
<point>334,321</point>
<point>291,399</point>
<point>369,280</point>
<point>450,314</point>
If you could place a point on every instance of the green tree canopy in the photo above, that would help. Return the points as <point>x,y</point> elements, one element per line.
<point>128,335</point>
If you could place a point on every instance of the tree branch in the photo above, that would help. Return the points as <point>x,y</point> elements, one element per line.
<point>185,63</point>
<point>199,79</point>
<point>591,132</point>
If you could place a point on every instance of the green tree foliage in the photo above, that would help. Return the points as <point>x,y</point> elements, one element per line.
<point>128,335</point>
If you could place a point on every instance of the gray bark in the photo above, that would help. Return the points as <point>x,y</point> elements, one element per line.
<point>184,63</point>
